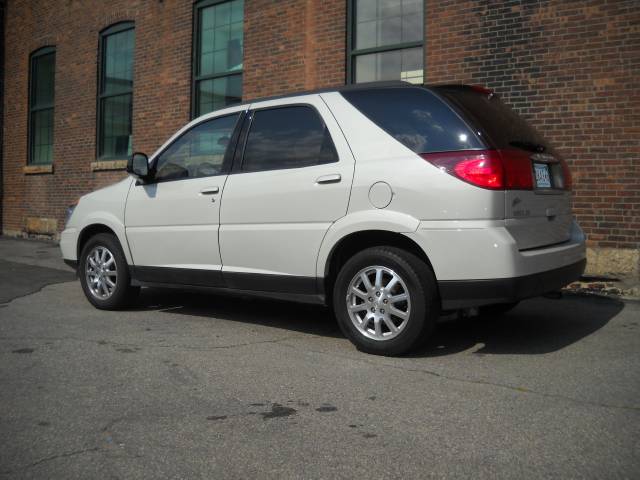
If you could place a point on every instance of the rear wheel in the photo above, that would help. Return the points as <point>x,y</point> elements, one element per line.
<point>385,300</point>
<point>104,273</point>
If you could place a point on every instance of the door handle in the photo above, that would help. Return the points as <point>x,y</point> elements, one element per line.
<point>332,178</point>
<point>209,191</point>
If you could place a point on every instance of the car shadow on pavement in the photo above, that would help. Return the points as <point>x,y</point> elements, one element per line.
<point>536,326</point>
<point>299,317</point>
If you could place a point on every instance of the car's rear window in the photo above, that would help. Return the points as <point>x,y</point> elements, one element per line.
<point>505,128</point>
<point>416,118</point>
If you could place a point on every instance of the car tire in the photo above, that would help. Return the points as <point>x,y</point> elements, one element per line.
<point>497,309</point>
<point>405,286</point>
<point>104,273</point>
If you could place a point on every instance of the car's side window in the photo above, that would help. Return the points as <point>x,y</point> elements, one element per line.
<point>198,152</point>
<point>287,137</point>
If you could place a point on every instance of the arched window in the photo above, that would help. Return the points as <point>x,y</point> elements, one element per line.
<point>115,91</point>
<point>41,105</point>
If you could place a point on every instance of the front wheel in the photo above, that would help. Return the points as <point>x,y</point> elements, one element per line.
<point>104,273</point>
<point>386,300</point>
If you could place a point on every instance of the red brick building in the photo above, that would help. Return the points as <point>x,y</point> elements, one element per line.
<point>86,82</point>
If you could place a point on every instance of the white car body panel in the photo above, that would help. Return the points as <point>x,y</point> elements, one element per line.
<point>274,221</point>
<point>419,189</point>
<point>102,207</point>
<point>172,224</point>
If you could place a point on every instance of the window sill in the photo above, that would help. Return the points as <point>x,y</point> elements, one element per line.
<point>109,165</point>
<point>37,169</point>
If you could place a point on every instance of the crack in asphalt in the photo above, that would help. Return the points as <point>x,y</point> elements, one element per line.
<point>50,458</point>
<point>333,354</point>
<point>474,382</point>
<point>151,346</point>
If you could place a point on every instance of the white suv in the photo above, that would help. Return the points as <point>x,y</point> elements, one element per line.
<point>389,202</point>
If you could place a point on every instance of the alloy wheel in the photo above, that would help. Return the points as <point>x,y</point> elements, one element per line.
<point>101,272</point>
<point>378,303</point>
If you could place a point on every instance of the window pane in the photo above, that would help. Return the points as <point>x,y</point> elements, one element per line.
<point>502,124</point>
<point>406,64</point>
<point>41,110</point>
<point>118,62</point>
<point>218,93</point>
<point>380,23</point>
<point>416,118</point>
<point>199,152</point>
<point>42,136</point>
<point>287,137</point>
<point>43,80</point>
<point>115,138</point>
<point>221,38</point>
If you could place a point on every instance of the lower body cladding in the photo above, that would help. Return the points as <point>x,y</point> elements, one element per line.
<point>475,263</point>
<point>478,263</point>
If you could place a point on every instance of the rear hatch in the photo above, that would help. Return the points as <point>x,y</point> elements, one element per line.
<point>538,217</point>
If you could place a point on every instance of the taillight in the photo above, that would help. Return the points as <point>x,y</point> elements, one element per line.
<point>492,169</point>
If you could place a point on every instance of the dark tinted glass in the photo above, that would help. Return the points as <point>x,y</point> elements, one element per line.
<point>218,93</point>
<point>387,22</point>
<point>405,64</point>
<point>416,118</point>
<point>116,92</point>
<point>197,153</point>
<point>43,76</point>
<point>287,137</point>
<point>115,126</point>
<point>41,104</point>
<point>220,47</point>
<point>42,136</point>
<point>504,127</point>
<point>218,44</point>
<point>118,62</point>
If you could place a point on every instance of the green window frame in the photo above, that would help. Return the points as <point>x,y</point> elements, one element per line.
<point>42,66</point>
<point>218,43</point>
<point>115,92</point>
<point>385,40</point>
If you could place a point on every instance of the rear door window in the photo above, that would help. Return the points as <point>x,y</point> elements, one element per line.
<point>415,117</point>
<point>287,137</point>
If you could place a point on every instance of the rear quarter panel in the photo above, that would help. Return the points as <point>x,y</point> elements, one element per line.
<point>420,190</point>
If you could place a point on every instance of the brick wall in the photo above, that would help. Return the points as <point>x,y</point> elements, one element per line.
<point>162,72</point>
<point>293,45</point>
<point>570,67</point>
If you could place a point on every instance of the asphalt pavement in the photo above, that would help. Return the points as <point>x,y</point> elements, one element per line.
<point>195,385</point>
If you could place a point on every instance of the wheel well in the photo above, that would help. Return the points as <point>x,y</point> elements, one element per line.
<point>90,231</point>
<point>355,242</point>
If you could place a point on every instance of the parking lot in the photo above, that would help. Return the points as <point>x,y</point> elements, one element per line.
<point>195,385</point>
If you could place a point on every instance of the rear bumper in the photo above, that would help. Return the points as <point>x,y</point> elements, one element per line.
<point>471,293</point>
<point>478,262</point>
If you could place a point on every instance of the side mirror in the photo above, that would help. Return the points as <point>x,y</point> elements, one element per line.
<point>138,166</point>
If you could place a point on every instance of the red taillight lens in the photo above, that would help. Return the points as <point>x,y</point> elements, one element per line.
<point>492,169</point>
<point>484,171</point>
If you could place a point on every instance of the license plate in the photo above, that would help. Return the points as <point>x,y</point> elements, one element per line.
<point>543,179</point>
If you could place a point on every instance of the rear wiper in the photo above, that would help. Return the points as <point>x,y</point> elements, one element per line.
<point>531,146</point>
